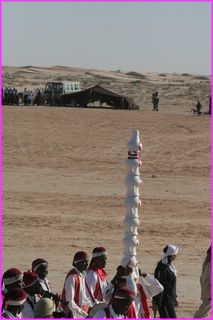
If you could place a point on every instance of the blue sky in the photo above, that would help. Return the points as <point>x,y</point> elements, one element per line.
<point>137,36</point>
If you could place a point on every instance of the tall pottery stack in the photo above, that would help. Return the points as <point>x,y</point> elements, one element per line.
<point>132,202</point>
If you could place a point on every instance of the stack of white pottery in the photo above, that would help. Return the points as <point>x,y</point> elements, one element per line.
<point>132,202</point>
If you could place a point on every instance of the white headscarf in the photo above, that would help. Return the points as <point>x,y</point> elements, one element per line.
<point>171,250</point>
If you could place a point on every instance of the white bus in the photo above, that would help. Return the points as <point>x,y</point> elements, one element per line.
<point>62,87</point>
<point>55,89</point>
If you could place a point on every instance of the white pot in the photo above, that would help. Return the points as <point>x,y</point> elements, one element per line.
<point>133,201</point>
<point>132,212</point>
<point>134,142</point>
<point>131,240</point>
<point>130,230</point>
<point>131,221</point>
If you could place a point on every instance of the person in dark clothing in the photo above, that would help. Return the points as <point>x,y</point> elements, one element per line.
<point>155,101</point>
<point>166,274</point>
<point>198,107</point>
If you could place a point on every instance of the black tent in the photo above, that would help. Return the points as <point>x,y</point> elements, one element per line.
<point>97,93</point>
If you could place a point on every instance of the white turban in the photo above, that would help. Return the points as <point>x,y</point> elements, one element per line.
<point>171,251</point>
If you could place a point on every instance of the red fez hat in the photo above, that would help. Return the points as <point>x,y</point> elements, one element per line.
<point>98,252</point>
<point>12,275</point>
<point>15,297</point>
<point>124,293</point>
<point>80,256</point>
<point>37,263</point>
<point>29,279</point>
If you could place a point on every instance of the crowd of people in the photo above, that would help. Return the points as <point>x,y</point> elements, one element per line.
<point>10,96</point>
<point>88,293</point>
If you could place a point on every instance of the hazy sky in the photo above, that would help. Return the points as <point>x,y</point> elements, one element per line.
<point>139,36</point>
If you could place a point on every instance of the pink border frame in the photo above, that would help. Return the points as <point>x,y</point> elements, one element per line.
<point>2,1</point>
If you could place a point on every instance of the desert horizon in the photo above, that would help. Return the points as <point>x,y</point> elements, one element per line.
<point>173,87</point>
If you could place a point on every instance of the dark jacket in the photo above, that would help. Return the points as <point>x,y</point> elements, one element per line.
<point>168,280</point>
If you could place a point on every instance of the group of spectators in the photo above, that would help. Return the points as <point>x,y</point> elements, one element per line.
<point>10,96</point>
<point>87,293</point>
<point>33,98</point>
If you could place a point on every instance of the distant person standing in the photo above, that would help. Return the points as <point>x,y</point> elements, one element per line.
<point>205,283</point>
<point>30,98</point>
<point>198,107</point>
<point>155,101</point>
<point>25,95</point>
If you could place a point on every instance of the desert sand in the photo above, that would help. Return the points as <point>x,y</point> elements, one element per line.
<point>64,170</point>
